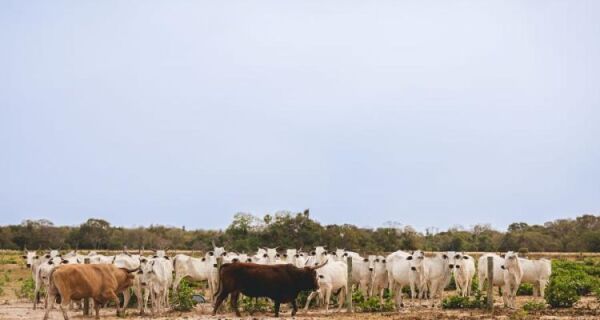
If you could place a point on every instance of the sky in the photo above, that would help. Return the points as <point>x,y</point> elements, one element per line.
<point>427,113</point>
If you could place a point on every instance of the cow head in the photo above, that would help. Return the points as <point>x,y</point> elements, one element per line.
<point>511,261</point>
<point>310,279</point>
<point>30,257</point>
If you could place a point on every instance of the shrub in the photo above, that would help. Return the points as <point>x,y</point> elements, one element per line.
<point>182,299</point>
<point>373,304</point>
<point>253,305</point>
<point>533,306</point>
<point>458,302</point>
<point>525,289</point>
<point>26,290</point>
<point>561,292</point>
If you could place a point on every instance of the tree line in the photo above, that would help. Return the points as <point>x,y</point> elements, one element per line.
<point>286,229</point>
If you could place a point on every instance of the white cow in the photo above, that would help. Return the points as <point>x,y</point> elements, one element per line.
<point>437,274</point>
<point>482,274</point>
<point>43,277</point>
<point>520,270</point>
<point>401,272</point>
<point>198,269</point>
<point>388,259</point>
<point>379,277</point>
<point>463,268</point>
<point>361,272</point>
<point>332,277</point>
<point>157,277</point>
<point>33,262</point>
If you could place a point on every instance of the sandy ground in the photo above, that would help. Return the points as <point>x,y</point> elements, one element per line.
<point>587,308</point>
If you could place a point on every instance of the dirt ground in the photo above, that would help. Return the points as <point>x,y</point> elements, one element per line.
<point>587,308</point>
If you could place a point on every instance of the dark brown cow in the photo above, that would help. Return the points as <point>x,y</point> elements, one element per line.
<point>101,282</point>
<point>281,283</point>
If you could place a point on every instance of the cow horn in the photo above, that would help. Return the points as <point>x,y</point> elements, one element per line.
<point>130,270</point>
<point>321,265</point>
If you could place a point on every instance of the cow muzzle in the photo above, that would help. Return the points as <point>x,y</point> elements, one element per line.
<point>413,268</point>
<point>370,269</point>
<point>215,265</point>
<point>29,265</point>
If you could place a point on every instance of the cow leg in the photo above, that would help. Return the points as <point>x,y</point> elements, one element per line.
<point>115,298</point>
<point>277,305</point>
<point>294,307</point>
<point>327,298</point>
<point>399,302</point>
<point>543,287</point>
<point>341,299</point>
<point>52,300</point>
<point>126,297</point>
<point>310,296</point>
<point>220,297</point>
<point>97,309</point>
<point>234,303</point>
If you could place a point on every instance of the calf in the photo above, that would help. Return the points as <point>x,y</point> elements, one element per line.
<point>101,282</point>
<point>281,283</point>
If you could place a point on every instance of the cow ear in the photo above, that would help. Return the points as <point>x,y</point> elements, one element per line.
<point>503,255</point>
<point>409,258</point>
<point>445,256</point>
<point>24,257</point>
<point>167,257</point>
<point>155,257</point>
<point>465,257</point>
<point>64,262</point>
<point>203,259</point>
<point>366,260</point>
<point>50,262</point>
<point>35,257</point>
<point>383,260</point>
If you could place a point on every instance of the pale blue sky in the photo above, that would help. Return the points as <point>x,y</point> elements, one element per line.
<point>430,113</point>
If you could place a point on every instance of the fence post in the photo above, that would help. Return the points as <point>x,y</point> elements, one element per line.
<point>349,295</point>
<point>490,284</point>
<point>86,301</point>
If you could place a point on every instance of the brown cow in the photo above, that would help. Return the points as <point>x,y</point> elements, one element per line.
<point>101,282</point>
<point>281,283</point>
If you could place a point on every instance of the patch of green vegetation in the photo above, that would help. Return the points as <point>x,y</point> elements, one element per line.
<point>530,306</point>
<point>458,302</point>
<point>182,299</point>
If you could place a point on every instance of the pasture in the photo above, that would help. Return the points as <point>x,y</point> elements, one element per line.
<point>15,298</point>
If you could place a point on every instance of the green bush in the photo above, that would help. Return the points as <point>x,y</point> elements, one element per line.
<point>26,290</point>
<point>253,305</point>
<point>458,302</point>
<point>182,299</point>
<point>584,277</point>
<point>561,292</point>
<point>533,306</point>
<point>373,304</point>
<point>525,289</point>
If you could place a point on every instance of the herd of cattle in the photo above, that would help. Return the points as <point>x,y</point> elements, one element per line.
<point>273,274</point>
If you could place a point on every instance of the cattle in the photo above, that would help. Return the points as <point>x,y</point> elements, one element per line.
<point>463,268</point>
<point>482,274</point>
<point>332,278</point>
<point>43,277</point>
<point>101,282</point>
<point>379,277</point>
<point>401,274</point>
<point>436,273</point>
<point>156,276</point>
<point>361,272</point>
<point>520,270</point>
<point>198,269</point>
<point>33,262</point>
<point>389,258</point>
<point>281,283</point>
